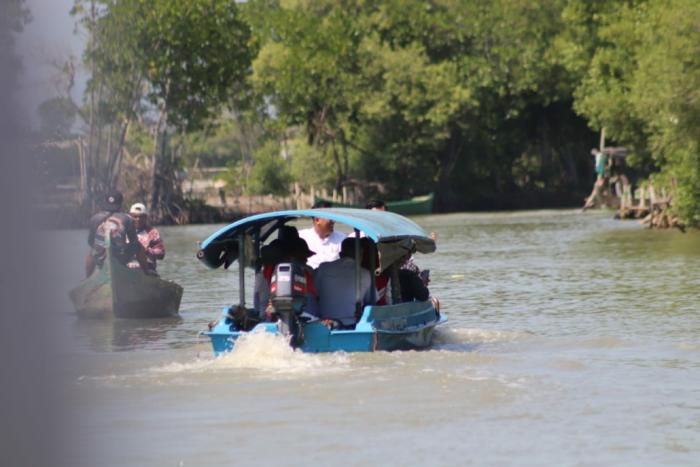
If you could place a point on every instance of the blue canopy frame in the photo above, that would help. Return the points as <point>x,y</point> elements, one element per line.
<point>394,234</point>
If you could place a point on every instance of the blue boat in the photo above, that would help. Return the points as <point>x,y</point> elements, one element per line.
<point>400,326</point>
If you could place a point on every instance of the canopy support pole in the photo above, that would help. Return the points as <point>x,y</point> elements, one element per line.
<point>358,269</point>
<point>241,269</point>
<point>395,285</point>
<point>256,250</point>
<point>372,273</point>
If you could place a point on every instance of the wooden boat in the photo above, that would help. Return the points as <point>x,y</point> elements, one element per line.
<point>115,291</point>
<point>408,325</point>
<point>416,206</point>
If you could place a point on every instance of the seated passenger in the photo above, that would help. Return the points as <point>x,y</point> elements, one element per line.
<point>322,238</point>
<point>335,283</point>
<point>287,233</point>
<point>289,250</point>
<point>299,252</point>
<point>381,279</point>
<point>413,288</point>
<point>270,256</point>
<point>148,236</point>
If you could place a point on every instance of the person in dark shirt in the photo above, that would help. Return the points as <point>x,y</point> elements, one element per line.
<point>409,264</point>
<point>376,205</point>
<point>413,287</point>
<point>120,226</point>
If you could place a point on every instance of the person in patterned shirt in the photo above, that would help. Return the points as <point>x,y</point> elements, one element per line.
<point>149,237</point>
<point>408,264</point>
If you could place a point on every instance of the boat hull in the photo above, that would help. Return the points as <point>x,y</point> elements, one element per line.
<point>404,326</point>
<point>115,291</point>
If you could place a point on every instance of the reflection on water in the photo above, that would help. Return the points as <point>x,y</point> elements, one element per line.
<point>127,334</point>
<point>571,339</point>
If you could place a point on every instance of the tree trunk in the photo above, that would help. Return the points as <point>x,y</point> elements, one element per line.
<point>116,156</point>
<point>159,139</point>
<point>346,159</point>
<point>90,153</point>
<point>338,167</point>
<point>447,161</point>
<point>99,169</point>
<point>108,158</point>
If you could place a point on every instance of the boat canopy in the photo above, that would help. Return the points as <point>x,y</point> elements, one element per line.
<point>394,234</point>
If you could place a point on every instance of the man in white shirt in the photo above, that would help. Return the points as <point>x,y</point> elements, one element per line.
<point>323,239</point>
<point>335,284</point>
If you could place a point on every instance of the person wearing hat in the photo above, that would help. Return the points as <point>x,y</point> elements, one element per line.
<point>270,255</point>
<point>149,238</point>
<point>287,248</point>
<point>120,227</point>
<point>299,252</point>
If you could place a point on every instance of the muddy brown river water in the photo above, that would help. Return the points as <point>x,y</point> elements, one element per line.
<point>572,340</point>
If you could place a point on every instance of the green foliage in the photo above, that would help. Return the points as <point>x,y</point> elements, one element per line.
<point>308,68</point>
<point>485,102</point>
<point>214,146</point>
<point>57,117</point>
<point>643,86</point>
<point>183,55</point>
<point>457,79</point>
<point>172,63</point>
<point>578,38</point>
<point>139,144</point>
<point>310,166</point>
<point>402,93</point>
<point>58,157</point>
<point>270,172</point>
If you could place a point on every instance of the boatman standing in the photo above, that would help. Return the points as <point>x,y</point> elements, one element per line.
<point>120,228</point>
<point>149,237</point>
<point>322,239</point>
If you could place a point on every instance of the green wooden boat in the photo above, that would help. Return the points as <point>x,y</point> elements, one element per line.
<point>115,291</point>
<point>416,206</point>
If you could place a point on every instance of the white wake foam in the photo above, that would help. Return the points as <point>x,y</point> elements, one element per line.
<point>477,336</point>
<point>265,352</point>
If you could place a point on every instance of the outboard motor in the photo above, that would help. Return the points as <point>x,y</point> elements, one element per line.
<point>288,290</point>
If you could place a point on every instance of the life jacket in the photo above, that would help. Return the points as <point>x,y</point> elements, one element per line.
<point>381,282</point>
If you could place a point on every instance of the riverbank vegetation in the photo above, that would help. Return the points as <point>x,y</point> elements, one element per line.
<point>490,105</point>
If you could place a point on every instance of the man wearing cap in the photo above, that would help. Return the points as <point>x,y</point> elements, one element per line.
<point>120,227</point>
<point>148,236</point>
